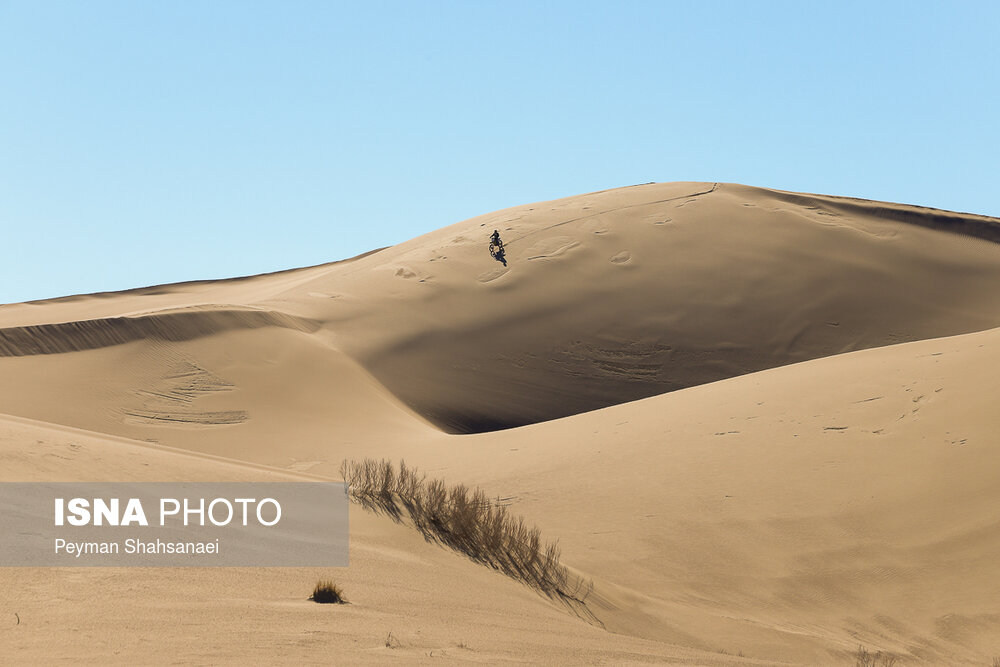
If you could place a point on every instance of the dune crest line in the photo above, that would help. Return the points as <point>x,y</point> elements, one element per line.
<point>106,332</point>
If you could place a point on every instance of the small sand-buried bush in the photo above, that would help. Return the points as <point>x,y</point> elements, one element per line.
<point>327,592</point>
<point>465,520</point>
<point>865,658</point>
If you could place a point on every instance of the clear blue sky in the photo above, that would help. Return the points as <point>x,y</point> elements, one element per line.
<point>151,142</point>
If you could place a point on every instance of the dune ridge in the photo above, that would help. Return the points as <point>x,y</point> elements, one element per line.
<point>971,224</point>
<point>164,326</point>
<point>172,288</point>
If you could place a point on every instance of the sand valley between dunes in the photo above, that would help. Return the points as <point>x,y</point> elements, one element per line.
<point>763,424</point>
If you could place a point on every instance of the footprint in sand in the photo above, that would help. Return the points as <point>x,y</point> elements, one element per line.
<point>403,272</point>
<point>302,466</point>
<point>170,401</point>
<point>595,227</point>
<point>621,258</point>
<point>551,247</point>
<point>490,276</point>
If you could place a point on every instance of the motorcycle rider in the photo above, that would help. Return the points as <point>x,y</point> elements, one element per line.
<point>496,248</point>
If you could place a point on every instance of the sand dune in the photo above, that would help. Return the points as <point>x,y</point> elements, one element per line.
<point>760,421</point>
<point>630,293</point>
<point>608,297</point>
<point>847,499</point>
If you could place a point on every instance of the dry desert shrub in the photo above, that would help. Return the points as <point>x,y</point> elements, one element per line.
<point>327,592</point>
<point>864,658</point>
<point>465,520</point>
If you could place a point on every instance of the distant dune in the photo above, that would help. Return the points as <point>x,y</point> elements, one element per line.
<point>679,381</point>
<point>629,293</point>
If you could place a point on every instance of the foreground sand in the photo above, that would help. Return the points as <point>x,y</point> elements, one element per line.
<point>773,506</point>
<point>436,605</point>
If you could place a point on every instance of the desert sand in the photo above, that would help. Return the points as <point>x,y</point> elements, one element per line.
<point>760,422</point>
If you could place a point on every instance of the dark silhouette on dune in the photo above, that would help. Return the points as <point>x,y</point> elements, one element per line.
<point>496,248</point>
